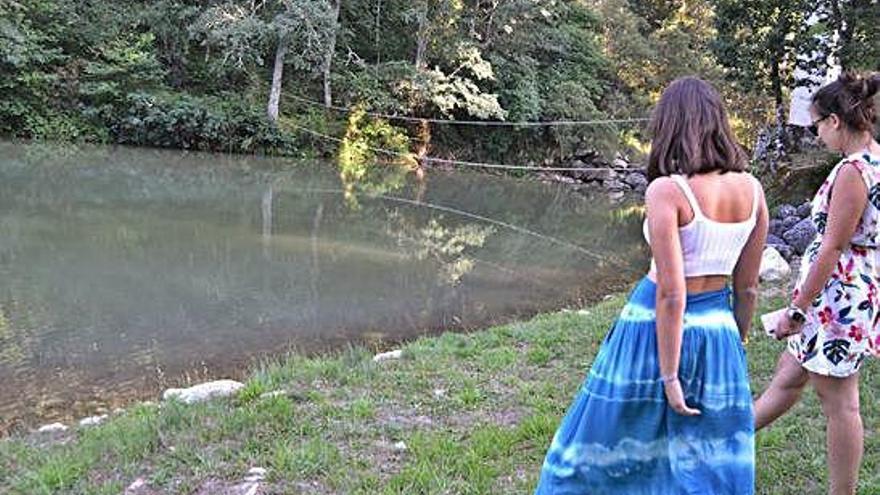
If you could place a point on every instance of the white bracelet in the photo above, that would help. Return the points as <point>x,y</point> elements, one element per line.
<point>672,377</point>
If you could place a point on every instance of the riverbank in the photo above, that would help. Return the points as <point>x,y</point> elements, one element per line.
<point>463,414</point>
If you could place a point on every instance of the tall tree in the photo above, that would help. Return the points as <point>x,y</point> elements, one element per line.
<point>759,41</point>
<point>296,31</point>
<point>330,52</point>
<point>30,52</point>
<point>168,21</point>
<point>858,25</point>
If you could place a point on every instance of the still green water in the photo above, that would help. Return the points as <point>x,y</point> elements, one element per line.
<point>126,270</point>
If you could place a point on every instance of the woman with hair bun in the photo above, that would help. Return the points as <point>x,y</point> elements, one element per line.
<point>833,321</point>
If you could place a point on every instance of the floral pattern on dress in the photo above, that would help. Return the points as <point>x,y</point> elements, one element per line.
<point>842,322</point>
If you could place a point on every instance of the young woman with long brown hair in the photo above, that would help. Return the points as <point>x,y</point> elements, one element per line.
<point>666,406</point>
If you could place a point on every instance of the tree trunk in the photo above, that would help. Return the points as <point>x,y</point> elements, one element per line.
<point>776,79</point>
<point>844,33</point>
<point>780,136</point>
<point>488,27</point>
<point>376,39</point>
<point>328,61</point>
<point>277,74</point>
<point>422,38</point>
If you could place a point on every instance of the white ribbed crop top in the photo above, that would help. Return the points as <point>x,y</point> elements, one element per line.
<point>710,247</point>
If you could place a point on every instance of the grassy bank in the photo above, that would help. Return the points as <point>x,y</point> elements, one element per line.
<point>458,414</point>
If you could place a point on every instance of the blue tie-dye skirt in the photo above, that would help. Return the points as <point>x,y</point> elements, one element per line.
<point>620,437</point>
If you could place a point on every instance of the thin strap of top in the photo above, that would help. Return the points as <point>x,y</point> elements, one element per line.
<point>755,196</point>
<point>686,189</point>
<point>692,200</point>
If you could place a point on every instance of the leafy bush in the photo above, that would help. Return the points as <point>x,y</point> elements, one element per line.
<point>197,123</point>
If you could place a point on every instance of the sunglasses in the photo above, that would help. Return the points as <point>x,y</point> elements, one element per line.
<point>814,128</point>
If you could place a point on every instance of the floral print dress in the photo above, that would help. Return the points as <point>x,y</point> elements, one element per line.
<point>842,322</point>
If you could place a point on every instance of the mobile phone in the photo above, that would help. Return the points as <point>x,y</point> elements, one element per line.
<point>770,321</point>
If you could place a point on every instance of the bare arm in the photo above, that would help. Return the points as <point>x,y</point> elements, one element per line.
<point>849,198</point>
<point>660,200</point>
<point>747,270</point>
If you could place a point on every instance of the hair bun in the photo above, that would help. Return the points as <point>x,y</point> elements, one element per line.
<point>851,97</point>
<point>872,85</point>
<point>860,88</point>
<point>853,84</point>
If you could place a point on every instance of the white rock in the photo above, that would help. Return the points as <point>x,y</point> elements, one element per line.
<point>92,420</point>
<point>257,471</point>
<point>399,446</point>
<point>135,486</point>
<point>51,428</point>
<point>249,488</point>
<point>439,392</point>
<point>773,265</point>
<point>203,391</point>
<point>388,355</point>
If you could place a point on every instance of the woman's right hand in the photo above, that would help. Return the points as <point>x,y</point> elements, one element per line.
<point>787,327</point>
<point>675,398</point>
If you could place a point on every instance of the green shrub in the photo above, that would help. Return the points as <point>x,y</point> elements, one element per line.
<point>197,123</point>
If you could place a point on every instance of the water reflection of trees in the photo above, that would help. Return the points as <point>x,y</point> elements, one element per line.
<point>449,247</point>
<point>115,263</point>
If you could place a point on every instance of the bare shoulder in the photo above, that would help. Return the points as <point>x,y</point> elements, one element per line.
<point>754,180</point>
<point>661,189</point>
<point>850,169</point>
<point>663,198</point>
<point>751,177</point>
<point>850,175</point>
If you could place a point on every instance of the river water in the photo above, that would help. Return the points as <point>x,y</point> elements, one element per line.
<point>126,270</point>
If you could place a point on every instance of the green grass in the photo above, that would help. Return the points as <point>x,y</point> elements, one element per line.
<point>474,413</point>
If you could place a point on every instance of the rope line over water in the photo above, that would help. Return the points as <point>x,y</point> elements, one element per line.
<point>445,161</point>
<point>474,216</point>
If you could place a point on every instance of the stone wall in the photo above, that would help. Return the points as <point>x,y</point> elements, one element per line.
<point>618,178</point>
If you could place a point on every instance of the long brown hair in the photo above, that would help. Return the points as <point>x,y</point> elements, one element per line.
<point>691,132</point>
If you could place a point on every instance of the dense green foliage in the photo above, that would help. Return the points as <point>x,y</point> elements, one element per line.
<point>198,123</point>
<point>233,75</point>
<point>860,49</point>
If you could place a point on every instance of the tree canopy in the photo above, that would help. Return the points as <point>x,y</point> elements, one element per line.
<point>244,75</point>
